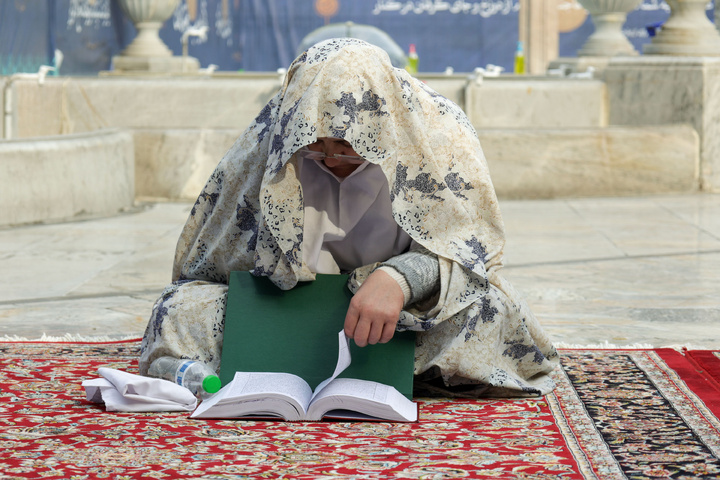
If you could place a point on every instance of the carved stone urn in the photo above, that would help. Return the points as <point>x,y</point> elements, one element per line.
<point>608,16</point>
<point>147,52</point>
<point>688,32</point>
<point>148,17</point>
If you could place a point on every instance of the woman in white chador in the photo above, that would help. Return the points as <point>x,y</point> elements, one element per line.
<point>355,166</point>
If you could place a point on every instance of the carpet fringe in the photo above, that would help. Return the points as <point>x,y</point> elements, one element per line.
<point>604,344</point>
<point>635,346</point>
<point>69,337</point>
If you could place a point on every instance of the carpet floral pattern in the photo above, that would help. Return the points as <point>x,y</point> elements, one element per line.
<point>615,414</point>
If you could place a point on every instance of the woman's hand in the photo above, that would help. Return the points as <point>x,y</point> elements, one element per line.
<point>374,310</point>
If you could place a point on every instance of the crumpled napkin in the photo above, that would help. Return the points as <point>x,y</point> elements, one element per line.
<point>126,392</point>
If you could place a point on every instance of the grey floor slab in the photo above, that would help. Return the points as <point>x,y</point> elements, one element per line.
<point>599,271</point>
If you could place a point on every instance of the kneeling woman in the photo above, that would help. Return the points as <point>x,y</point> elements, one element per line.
<point>357,167</point>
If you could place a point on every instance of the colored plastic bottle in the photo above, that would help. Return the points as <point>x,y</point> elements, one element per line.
<point>519,59</point>
<point>413,59</point>
<point>191,374</point>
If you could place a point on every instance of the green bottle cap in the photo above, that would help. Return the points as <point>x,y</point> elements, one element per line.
<point>211,384</point>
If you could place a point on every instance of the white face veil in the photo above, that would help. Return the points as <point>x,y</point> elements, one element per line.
<point>348,221</point>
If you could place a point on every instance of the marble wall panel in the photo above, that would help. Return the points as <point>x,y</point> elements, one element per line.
<point>536,102</point>
<point>525,163</point>
<point>544,137</point>
<point>655,90</point>
<point>552,163</point>
<point>74,104</point>
<point>66,176</point>
<point>176,163</point>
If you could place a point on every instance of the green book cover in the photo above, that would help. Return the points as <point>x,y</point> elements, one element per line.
<point>295,331</point>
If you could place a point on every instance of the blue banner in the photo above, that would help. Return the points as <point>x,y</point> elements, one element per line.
<point>264,35</point>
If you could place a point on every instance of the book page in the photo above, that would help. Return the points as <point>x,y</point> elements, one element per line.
<point>370,398</point>
<point>272,383</point>
<point>344,360</point>
<point>254,386</point>
<point>366,389</point>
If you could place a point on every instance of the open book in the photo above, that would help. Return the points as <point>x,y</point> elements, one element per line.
<point>272,394</point>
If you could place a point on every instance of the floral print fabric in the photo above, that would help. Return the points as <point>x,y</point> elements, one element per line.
<point>250,217</point>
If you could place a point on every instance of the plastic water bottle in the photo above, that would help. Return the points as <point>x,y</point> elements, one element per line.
<point>191,374</point>
<point>412,59</point>
<point>519,59</point>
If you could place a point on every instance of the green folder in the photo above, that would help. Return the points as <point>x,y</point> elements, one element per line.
<point>296,331</point>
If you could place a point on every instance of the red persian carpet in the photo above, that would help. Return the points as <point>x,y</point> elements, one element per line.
<point>615,414</point>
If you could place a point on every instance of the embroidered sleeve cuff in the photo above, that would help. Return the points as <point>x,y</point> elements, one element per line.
<point>400,279</point>
<point>421,272</point>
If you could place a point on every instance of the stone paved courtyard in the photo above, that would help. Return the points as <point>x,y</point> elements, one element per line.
<point>619,271</point>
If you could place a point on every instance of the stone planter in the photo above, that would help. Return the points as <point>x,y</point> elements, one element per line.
<point>609,17</point>
<point>688,32</point>
<point>148,17</point>
<point>147,52</point>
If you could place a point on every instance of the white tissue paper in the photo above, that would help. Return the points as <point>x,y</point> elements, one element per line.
<point>126,392</point>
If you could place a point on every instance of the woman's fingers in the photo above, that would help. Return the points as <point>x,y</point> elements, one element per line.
<point>351,321</point>
<point>370,329</point>
<point>376,331</point>
<point>374,310</point>
<point>362,332</point>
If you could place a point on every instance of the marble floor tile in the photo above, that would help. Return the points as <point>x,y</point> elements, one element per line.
<point>548,231</point>
<point>658,300</point>
<point>644,226</point>
<point>125,253</point>
<point>700,210</point>
<point>47,273</point>
<point>620,271</point>
<point>149,268</point>
<point>115,316</point>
